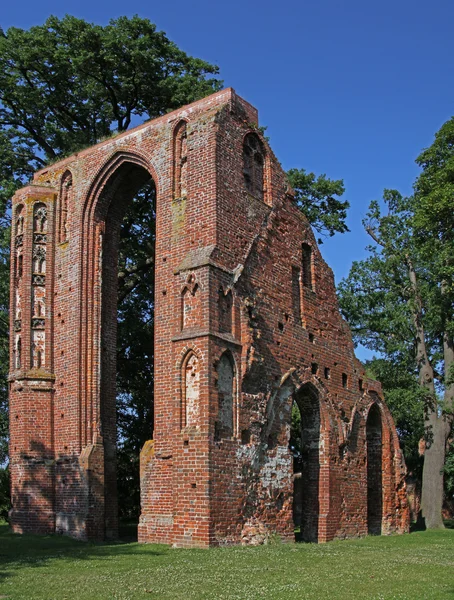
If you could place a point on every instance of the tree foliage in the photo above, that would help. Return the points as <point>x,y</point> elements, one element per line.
<point>399,302</point>
<point>319,198</point>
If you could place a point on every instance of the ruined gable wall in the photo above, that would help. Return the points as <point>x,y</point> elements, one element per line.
<point>299,336</point>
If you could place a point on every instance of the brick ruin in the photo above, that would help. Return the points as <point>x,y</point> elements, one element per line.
<point>247,334</point>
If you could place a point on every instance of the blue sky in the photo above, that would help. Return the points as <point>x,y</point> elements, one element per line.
<point>353,89</point>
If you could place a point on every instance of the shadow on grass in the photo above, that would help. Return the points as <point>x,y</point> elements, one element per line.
<point>37,550</point>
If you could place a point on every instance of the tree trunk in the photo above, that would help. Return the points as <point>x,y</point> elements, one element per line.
<point>432,473</point>
<point>435,429</point>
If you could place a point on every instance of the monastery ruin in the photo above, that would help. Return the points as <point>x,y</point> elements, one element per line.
<point>247,331</point>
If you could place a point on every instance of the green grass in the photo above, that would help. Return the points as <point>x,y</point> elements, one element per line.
<point>418,565</point>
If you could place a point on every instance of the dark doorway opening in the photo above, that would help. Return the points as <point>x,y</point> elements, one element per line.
<point>374,471</point>
<point>305,446</point>
<point>127,345</point>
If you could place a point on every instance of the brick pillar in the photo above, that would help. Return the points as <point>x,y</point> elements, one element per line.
<point>31,378</point>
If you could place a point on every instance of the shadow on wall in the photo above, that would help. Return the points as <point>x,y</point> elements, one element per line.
<point>76,482</point>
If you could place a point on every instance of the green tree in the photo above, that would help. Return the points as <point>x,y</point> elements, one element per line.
<point>319,198</point>
<point>399,303</point>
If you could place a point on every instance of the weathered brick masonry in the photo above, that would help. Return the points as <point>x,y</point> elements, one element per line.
<point>247,324</point>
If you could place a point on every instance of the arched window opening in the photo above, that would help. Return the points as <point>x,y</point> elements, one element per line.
<point>180,160</point>
<point>20,220</point>
<point>374,471</point>
<point>226,393</point>
<point>39,259</point>
<point>40,218</point>
<point>66,192</point>
<point>18,352</point>
<point>126,208</point>
<point>191,379</point>
<point>305,447</point>
<point>253,165</point>
<point>307,276</point>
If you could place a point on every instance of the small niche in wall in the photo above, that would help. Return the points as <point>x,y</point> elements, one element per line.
<point>225,304</point>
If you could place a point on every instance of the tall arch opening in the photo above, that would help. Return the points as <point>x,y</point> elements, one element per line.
<point>305,446</point>
<point>128,204</point>
<point>374,471</point>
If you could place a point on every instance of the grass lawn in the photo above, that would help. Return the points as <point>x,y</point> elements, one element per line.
<point>417,565</point>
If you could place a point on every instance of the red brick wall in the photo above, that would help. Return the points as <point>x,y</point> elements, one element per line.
<point>227,268</point>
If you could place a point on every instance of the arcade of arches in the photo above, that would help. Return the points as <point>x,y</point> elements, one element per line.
<point>264,421</point>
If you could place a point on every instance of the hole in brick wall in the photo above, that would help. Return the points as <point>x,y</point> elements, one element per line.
<point>314,368</point>
<point>344,380</point>
<point>304,444</point>
<point>193,485</point>
<point>278,343</point>
<point>59,315</point>
<point>360,385</point>
<point>164,292</point>
<point>66,447</point>
<point>311,338</point>
<point>186,442</point>
<point>245,436</point>
<point>287,316</point>
<point>374,471</point>
<point>272,441</point>
<point>327,373</point>
<point>62,415</point>
<point>17,416</point>
<point>63,321</point>
<point>61,383</point>
<point>59,276</point>
<point>164,259</point>
<point>62,352</point>
<point>281,326</point>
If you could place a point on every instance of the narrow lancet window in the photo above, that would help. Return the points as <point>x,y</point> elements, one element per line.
<point>191,390</point>
<point>65,200</point>
<point>226,392</point>
<point>180,161</point>
<point>253,165</point>
<point>40,218</point>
